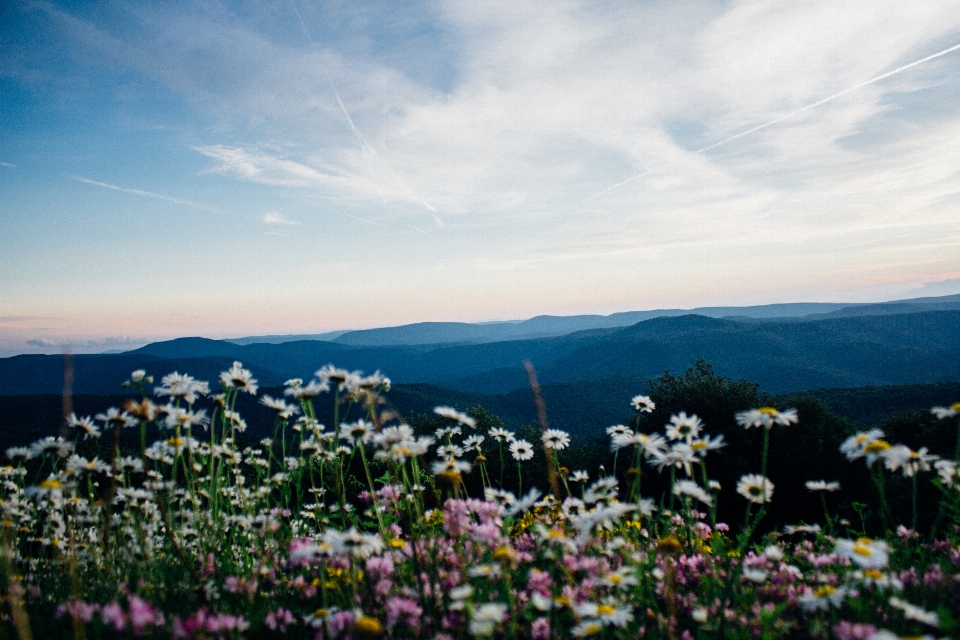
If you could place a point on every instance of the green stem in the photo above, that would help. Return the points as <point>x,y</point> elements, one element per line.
<point>766,447</point>
<point>913,520</point>
<point>373,491</point>
<point>826,514</point>
<point>673,478</point>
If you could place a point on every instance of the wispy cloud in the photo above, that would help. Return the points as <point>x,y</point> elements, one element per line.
<point>145,194</point>
<point>275,217</point>
<point>696,148</point>
<point>794,113</point>
<point>8,165</point>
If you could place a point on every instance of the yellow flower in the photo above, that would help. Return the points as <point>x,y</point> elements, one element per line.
<point>368,626</point>
<point>669,545</point>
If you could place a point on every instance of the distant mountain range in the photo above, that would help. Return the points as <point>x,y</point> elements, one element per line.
<point>891,343</point>
<point>550,326</point>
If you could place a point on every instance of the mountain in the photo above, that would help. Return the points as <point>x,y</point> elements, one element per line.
<point>782,355</point>
<point>551,326</point>
<point>278,339</point>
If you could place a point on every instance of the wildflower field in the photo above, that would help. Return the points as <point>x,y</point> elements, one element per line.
<point>160,519</point>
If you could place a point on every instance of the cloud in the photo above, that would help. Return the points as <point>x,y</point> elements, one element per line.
<point>41,342</point>
<point>275,217</point>
<point>7,164</point>
<point>145,194</point>
<point>950,286</point>
<point>652,137</point>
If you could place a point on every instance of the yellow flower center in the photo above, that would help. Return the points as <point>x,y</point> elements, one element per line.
<point>504,554</point>
<point>955,406</point>
<point>591,629</point>
<point>175,442</point>
<point>874,574</point>
<point>770,411</point>
<point>50,484</point>
<point>616,579</point>
<point>824,591</point>
<point>877,446</point>
<point>698,445</point>
<point>605,610</point>
<point>449,476</point>
<point>862,550</point>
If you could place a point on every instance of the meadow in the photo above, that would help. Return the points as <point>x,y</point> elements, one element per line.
<point>350,523</point>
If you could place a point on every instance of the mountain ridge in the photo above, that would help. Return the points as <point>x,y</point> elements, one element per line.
<point>782,356</point>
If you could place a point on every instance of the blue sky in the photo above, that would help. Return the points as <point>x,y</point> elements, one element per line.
<point>241,168</point>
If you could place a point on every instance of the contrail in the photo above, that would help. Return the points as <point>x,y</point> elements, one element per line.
<point>798,111</point>
<point>364,145</point>
<point>363,220</point>
<point>146,194</point>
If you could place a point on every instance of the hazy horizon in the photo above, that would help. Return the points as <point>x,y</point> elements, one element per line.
<point>233,169</point>
<point>119,345</point>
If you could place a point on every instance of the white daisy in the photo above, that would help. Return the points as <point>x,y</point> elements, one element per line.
<point>766,417</point>
<point>357,432</point>
<point>822,598</point>
<point>177,385</point>
<point>619,430</point>
<point>946,412</point>
<point>284,410</point>
<point>869,554</point>
<point>822,485</point>
<point>521,450</point>
<point>854,446</point>
<point>684,427</point>
<point>84,425</point>
<point>755,488</point>
<point>239,378</point>
<point>643,404</point>
<point>500,435</point>
<point>453,414</point>
<point>485,618</point>
<point>556,439</point>
<point>692,489</point>
<point>910,462</point>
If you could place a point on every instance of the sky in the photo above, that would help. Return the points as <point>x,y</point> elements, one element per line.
<point>298,166</point>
